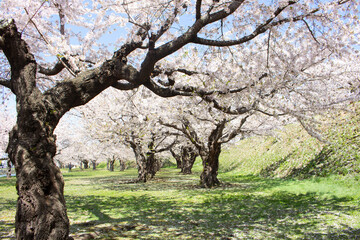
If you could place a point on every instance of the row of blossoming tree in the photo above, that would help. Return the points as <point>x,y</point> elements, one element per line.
<point>246,58</point>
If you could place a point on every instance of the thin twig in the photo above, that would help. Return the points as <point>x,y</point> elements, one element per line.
<point>30,20</point>
<point>268,49</point>
<point>311,32</point>
<point>59,56</point>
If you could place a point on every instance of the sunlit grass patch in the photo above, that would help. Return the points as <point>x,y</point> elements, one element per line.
<point>101,205</point>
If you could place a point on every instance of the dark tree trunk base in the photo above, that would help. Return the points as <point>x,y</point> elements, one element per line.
<point>209,180</point>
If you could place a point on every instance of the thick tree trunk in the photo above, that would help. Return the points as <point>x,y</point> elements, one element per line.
<point>153,165</point>
<point>142,173</point>
<point>147,164</point>
<point>41,211</point>
<point>188,158</point>
<point>140,160</point>
<point>86,164</point>
<point>208,177</point>
<point>147,167</point>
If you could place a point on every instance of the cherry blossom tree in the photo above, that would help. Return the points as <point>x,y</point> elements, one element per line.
<point>124,120</point>
<point>184,154</point>
<point>60,58</point>
<point>207,129</point>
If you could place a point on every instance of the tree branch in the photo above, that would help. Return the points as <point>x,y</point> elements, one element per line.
<point>51,72</point>
<point>22,62</point>
<point>235,132</point>
<point>124,85</point>
<point>165,148</point>
<point>165,91</point>
<point>174,45</point>
<point>187,130</point>
<point>259,30</point>
<point>170,125</point>
<point>168,23</point>
<point>59,56</point>
<point>157,71</point>
<point>170,91</point>
<point>217,133</point>
<point>5,83</point>
<point>311,132</point>
<point>198,9</point>
<point>228,110</point>
<point>269,114</point>
<point>191,134</point>
<point>311,32</point>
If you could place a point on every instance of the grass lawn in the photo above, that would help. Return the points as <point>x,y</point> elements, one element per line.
<point>102,206</point>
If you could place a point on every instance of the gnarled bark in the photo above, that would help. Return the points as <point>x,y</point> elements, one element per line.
<point>146,162</point>
<point>41,210</point>
<point>208,177</point>
<point>188,154</point>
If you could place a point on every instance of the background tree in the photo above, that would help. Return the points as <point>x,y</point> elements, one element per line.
<point>189,154</point>
<point>207,131</point>
<point>184,154</point>
<point>176,153</point>
<point>146,160</point>
<point>122,119</point>
<point>156,30</point>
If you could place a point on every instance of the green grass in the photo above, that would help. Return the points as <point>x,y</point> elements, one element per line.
<point>274,156</point>
<point>259,199</point>
<point>172,206</point>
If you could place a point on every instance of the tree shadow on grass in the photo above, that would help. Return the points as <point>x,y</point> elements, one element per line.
<point>7,230</point>
<point>281,215</point>
<point>172,180</point>
<point>6,227</point>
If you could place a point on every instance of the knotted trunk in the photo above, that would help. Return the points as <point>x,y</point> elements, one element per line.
<point>142,174</point>
<point>147,167</point>
<point>153,165</point>
<point>41,211</point>
<point>188,158</point>
<point>147,164</point>
<point>208,177</point>
<point>140,161</point>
